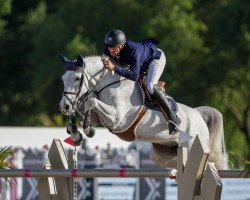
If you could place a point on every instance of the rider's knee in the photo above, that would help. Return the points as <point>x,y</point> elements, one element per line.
<point>150,87</point>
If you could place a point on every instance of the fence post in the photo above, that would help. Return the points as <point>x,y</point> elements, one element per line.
<point>58,160</point>
<point>46,187</point>
<point>72,163</point>
<point>193,171</point>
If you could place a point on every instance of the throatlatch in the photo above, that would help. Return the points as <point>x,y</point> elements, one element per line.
<point>172,119</point>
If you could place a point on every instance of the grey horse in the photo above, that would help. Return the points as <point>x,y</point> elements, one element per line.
<point>117,103</point>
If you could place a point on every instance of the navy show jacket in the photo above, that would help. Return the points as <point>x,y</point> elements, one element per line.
<point>137,55</point>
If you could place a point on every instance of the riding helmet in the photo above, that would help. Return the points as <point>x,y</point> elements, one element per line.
<point>115,37</point>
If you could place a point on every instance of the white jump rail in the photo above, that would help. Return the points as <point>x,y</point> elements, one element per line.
<point>101,173</point>
<point>196,179</point>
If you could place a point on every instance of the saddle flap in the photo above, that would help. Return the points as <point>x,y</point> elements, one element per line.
<point>142,83</point>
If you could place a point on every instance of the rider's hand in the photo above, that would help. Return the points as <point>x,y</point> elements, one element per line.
<point>108,64</point>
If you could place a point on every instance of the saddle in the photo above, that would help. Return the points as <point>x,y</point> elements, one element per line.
<point>149,100</point>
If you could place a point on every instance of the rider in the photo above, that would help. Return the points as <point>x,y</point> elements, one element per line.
<point>140,57</point>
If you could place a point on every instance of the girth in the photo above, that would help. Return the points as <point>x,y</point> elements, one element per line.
<point>129,134</point>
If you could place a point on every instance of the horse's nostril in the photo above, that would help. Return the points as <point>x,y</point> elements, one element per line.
<point>66,107</point>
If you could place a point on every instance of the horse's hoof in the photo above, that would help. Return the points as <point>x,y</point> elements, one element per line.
<point>90,133</point>
<point>79,142</point>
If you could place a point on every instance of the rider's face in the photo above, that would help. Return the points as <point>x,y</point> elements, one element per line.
<point>114,51</point>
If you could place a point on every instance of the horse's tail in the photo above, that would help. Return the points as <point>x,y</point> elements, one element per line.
<point>214,121</point>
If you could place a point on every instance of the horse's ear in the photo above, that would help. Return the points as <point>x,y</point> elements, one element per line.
<point>80,61</point>
<point>65,60</point>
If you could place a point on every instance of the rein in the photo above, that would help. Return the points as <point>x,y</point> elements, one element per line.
<point>98,92</point>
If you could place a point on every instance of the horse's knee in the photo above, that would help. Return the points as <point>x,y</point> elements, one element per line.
<point>89,104</point>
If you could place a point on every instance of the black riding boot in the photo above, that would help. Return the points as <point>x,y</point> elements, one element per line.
<point>173,119</point>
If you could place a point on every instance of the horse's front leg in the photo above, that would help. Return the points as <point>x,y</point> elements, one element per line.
<point>106,113</point>
<point>89,120</point>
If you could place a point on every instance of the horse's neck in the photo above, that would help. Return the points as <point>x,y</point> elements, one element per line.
<point>116,94</point>
<point>99,75</point>
<point>93,65</point>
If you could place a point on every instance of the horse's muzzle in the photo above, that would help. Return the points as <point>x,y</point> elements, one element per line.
<point>65,107</point>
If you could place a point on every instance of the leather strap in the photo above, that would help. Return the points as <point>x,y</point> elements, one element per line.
<point>129,134</point>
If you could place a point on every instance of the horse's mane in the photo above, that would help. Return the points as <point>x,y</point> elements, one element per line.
<point>91,56</point>
<point>94,63</point>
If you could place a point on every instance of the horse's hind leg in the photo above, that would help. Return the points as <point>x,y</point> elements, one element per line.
<point>214,121</point>
<point>164,155</point>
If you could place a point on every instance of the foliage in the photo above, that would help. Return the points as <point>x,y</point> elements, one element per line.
<point>207,45</point>
<point>5,154</point>
<point>242,162</point>
<point>5,8</point>
<point>230,69</point>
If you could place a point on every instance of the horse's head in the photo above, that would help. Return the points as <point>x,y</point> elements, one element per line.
<point>75,84</point>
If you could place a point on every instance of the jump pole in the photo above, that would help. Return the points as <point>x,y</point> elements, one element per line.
<point>101,173</point>
<point>65,174</point>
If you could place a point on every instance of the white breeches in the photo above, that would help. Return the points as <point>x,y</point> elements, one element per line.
<point>155,71</point>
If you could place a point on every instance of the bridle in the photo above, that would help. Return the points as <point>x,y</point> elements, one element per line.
<point>82,99</point>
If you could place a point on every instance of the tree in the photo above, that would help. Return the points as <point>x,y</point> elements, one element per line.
<point>206,44</point>
<point>227,68</point>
